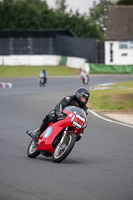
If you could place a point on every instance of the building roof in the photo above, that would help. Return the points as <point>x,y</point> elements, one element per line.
<point>119,23</point>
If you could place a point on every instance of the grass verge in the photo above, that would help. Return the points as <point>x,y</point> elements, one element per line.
<point>117,98</point>
<point>33,71</point>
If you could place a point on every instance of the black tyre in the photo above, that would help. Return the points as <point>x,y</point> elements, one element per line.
<point>62,151</point>
<point>32,151</point>
<point>43,84</point>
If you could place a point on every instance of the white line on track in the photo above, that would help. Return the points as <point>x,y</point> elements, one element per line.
<point>109,120</point>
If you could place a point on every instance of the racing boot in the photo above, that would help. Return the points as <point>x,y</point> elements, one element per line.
<point>42,128</point>
<point>37,135</point>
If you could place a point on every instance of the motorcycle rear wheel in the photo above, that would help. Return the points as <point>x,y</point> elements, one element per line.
<point>62,151</point>
<point>32,151</point>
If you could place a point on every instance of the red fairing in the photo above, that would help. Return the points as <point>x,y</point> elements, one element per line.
<point>47,137</point>
<point>76,121</point>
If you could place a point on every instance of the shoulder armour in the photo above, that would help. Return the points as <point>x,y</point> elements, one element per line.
<point>68,98</point>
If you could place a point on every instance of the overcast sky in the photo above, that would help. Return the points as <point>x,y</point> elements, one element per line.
<point>82,5</point>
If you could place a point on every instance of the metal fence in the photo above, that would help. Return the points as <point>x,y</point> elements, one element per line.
<point>51,42</point>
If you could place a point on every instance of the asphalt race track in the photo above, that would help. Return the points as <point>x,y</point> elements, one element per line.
<point>100,167</point>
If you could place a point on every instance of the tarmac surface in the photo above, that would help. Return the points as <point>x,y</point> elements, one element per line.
<point>100,167</point>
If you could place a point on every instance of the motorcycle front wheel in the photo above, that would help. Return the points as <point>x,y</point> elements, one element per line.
<point>32,151</point>
<point>62,150</point>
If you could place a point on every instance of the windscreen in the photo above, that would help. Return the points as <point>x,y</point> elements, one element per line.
<point>75,109</point>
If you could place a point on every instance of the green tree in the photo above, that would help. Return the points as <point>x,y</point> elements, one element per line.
<point>61,6</point>
<point>36,15</point>
<point>125,2</point>
<point>99,12</point>
<point>21,14</point>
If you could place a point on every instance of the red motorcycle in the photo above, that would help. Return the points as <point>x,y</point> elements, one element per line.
<point>59,138</point>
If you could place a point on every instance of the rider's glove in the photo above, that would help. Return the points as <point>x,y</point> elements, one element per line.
<point>60,116</point>
<point>87,111</point>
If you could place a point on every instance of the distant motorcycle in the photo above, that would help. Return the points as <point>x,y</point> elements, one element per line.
<point>42,81</point>
<point>42,78</point>
<point>84,77</point>
<point>58,140</point>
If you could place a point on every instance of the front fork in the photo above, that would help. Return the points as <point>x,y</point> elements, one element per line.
<point>63,136</point>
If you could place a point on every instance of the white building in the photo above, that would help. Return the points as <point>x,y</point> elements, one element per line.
<point>119,36</point>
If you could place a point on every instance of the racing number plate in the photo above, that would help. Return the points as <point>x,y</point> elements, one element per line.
<point>78,121</point>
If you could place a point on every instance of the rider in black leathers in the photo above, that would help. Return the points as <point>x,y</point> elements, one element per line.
<point>80,99</point>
